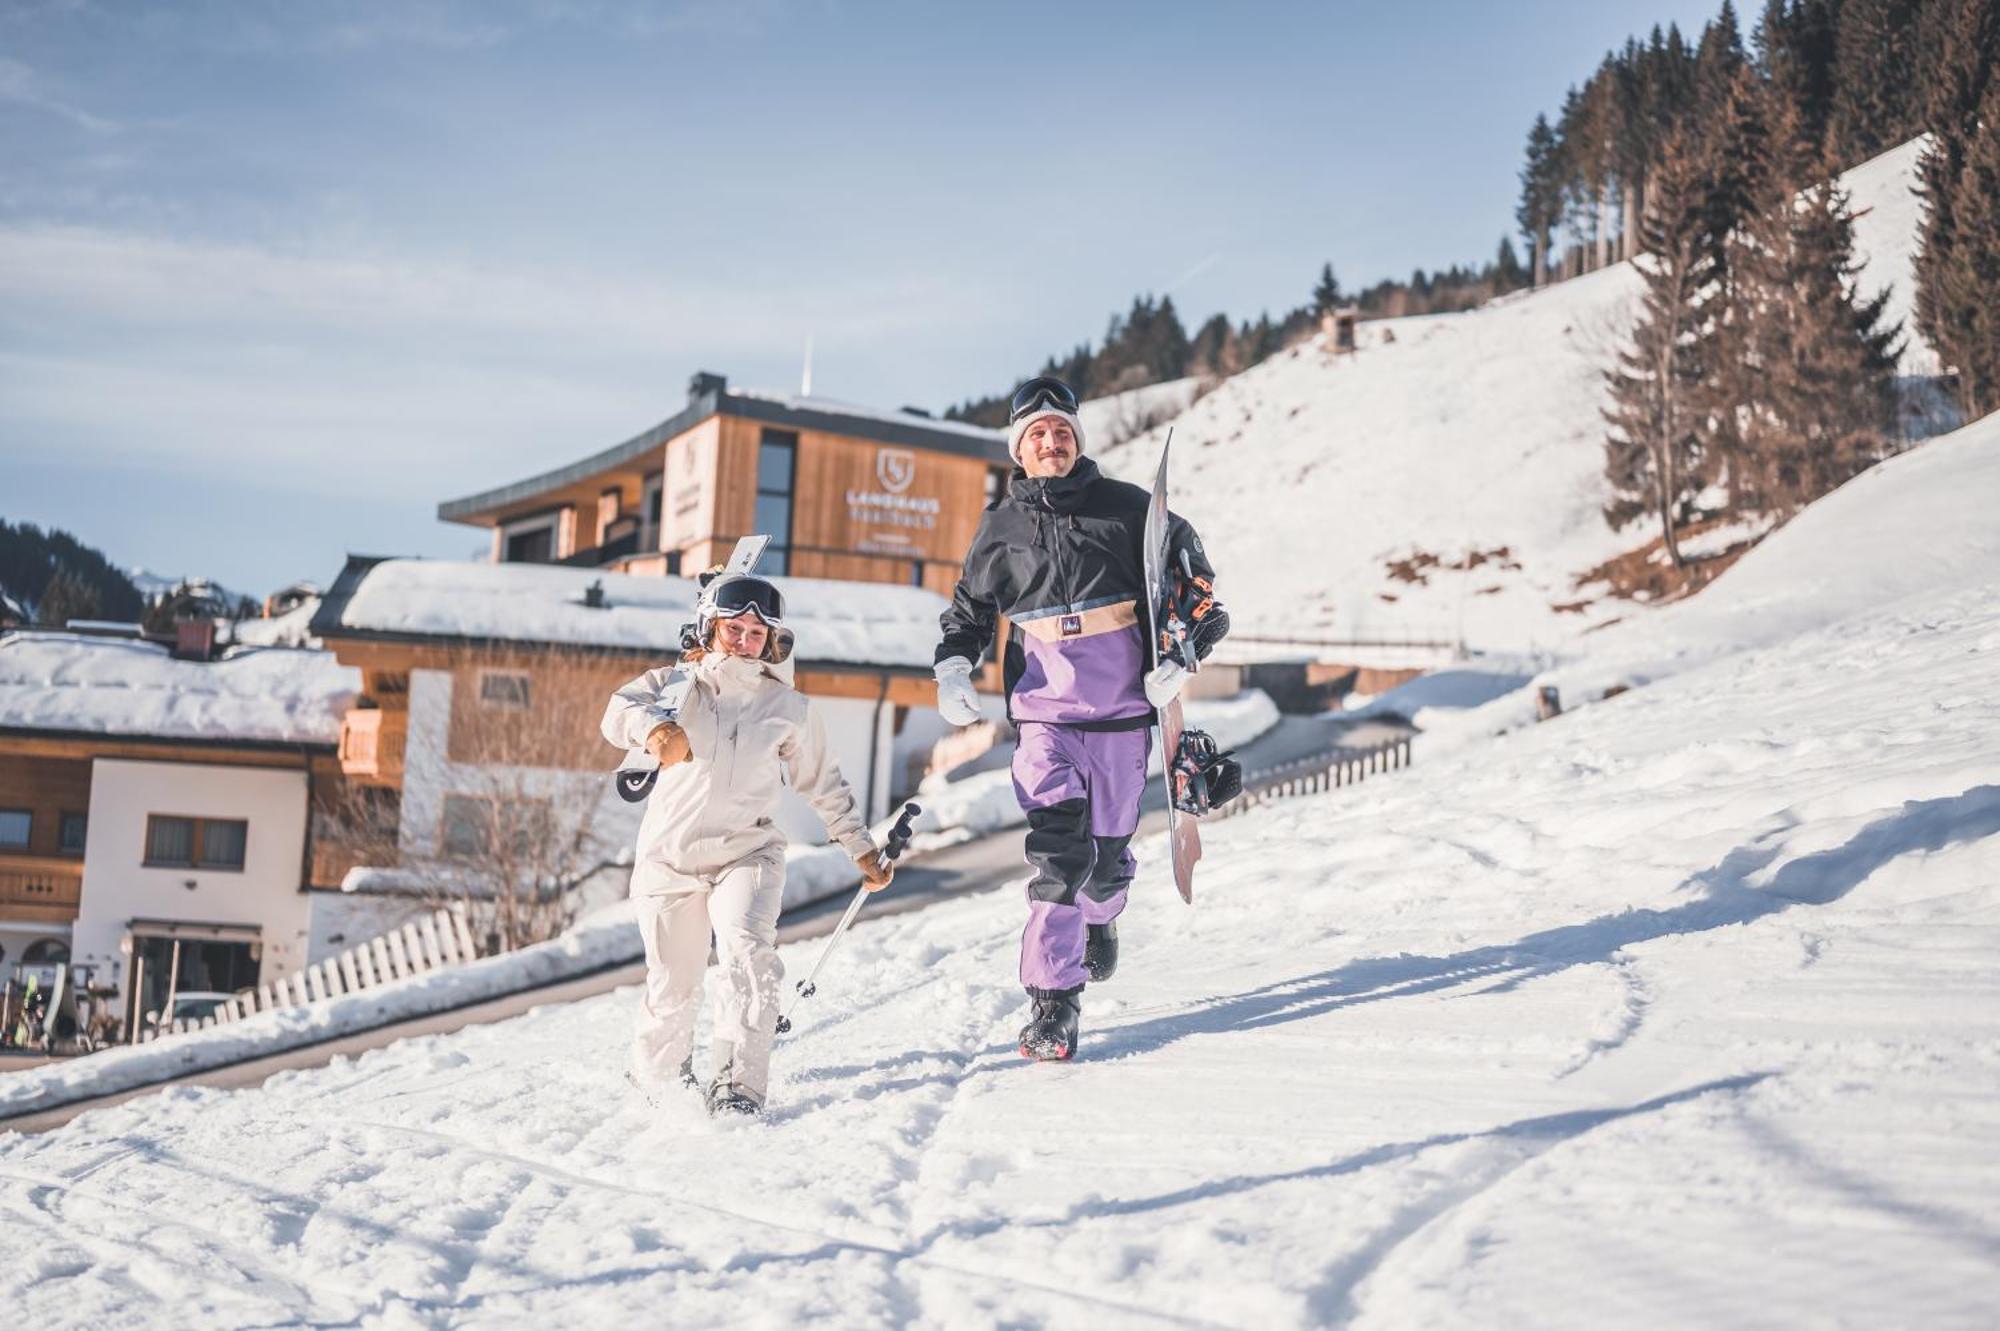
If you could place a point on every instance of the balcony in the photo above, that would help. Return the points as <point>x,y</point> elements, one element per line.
<point>40,889</point>
<point>371,744</point>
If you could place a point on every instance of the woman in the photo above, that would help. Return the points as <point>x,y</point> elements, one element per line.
<point>729,735</point>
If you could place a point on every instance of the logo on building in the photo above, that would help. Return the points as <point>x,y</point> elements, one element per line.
<point>895,468</point>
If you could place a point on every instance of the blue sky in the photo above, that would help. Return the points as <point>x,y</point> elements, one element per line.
<point>276,278</point>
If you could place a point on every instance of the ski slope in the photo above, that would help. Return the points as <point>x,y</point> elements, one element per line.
<point>1474,440</point>
<point>1683,1010</point>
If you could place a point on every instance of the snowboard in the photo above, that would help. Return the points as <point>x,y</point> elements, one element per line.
<point>1183,835</point>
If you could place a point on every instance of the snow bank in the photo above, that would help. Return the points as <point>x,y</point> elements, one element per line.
<point>1472,440</point>
<point>110,686</point>
<point>849,623</point>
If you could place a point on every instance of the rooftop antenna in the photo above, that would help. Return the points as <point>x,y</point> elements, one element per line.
<point>806,378</point>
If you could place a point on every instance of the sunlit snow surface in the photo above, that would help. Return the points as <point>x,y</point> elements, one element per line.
<point>1683,1010</point>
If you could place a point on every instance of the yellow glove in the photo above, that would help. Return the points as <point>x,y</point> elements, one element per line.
<point>669,743</point>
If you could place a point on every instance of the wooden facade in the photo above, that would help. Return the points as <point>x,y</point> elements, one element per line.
<point>42,883</point>
<point>867,496</point>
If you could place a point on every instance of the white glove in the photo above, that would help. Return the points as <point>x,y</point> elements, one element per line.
<point>957,703</point>
<point>1163,683</point>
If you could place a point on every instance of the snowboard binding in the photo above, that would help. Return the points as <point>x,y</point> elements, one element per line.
<point>1191,620</point>
<point>1203,778</point>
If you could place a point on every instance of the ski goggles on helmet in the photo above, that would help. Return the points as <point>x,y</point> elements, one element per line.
<point>731,597</point>
<point>1039,394</point>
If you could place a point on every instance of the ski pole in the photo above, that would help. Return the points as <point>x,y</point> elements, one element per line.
<point>899,838</point>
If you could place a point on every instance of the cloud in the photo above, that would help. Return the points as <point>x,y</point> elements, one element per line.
<point>19,86</point>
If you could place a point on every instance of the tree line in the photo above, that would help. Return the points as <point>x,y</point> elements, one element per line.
<point>62,579</point>
<point>1759,376</point>
<point>1148,344</point>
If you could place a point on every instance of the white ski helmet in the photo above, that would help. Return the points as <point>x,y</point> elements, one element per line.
<point>729,595</point>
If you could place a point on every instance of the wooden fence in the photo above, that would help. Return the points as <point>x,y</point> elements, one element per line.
<point>1308,776</point>
<point>426,944</point>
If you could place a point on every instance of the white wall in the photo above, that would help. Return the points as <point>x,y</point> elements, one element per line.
<point>855,729</point>
<point>429,775</point>
<point>117,887</point>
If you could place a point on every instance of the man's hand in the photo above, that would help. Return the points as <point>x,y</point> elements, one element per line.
<point>1163,683</point>
<point>669,743</point>
<point>957,703</point>
<point>876,871</point>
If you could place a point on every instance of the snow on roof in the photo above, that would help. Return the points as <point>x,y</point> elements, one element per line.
<point>113,686</point>
<point>852,623</point>
<point>792,402</point>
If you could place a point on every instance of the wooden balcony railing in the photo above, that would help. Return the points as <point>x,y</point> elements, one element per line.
<point>371,743</point>
<point>40,889</point>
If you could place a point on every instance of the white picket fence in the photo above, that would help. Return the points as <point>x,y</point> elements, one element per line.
<point>426,944</point>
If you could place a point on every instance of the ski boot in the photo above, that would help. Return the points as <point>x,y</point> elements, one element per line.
<point>1100,952</point>
<point>726,1097</point>
<point>1051,1034</point>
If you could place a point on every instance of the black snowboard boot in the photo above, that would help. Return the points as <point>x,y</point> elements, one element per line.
<point>1051,1035</point>
<point>1100,953</point>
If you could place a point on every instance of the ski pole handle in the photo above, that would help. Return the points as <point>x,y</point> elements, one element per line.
<point>899,835</point>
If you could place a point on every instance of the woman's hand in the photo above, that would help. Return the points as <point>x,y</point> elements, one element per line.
<point>876,871</point>
<point>669,744</point>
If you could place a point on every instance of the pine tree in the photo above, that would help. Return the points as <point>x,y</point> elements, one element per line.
<point>1651,450</point>
<point>1958,263</point>
<point>1326,293</point>
<point>1541,196</point>
<point>1808,372</point>
<point>68,596</point>
<point>1874,103</point>
<point>1795,47</point>
<point>1506,273</point>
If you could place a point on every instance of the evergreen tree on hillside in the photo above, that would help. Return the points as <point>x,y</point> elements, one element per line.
<point>1807,371</point>
<point>1875,100</point>
<point>1795,48</point>
<point>1652,451</point>
<point>1718,59</point>
<point>31,559</point>
<point>1540,208</point>
<point>1326,292</point>
<point>1958,263</point>
<point>1508,275</point>
<point>68,596</point>
<point>1205,349</point>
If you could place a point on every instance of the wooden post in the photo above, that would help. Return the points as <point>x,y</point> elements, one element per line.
<point>350,977</point>
<point>464,935</point>
<point>364,965</point>
<point>413,944</point>
<point>447,938</point>
<point>385,965</point>
<point>433,945</point>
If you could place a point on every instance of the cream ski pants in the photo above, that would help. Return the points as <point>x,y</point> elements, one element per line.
<point>740,905</point>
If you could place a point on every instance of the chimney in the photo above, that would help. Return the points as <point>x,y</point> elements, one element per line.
<point>707,386</point>
<point>194,640</point>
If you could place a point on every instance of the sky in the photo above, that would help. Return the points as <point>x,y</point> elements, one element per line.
<point>277,278</point>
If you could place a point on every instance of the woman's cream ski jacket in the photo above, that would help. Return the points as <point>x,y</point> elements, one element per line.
<point>749,732</point>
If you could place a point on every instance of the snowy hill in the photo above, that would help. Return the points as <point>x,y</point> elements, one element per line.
<point>1682,1010</point>
<point>1445,481</point>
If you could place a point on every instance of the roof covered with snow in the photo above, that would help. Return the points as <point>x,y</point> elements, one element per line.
<point>905,428</point>
<point>836,623</point>
<point>75,683</point>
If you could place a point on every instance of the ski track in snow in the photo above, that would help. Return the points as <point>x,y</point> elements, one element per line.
<point>1681,1011</point>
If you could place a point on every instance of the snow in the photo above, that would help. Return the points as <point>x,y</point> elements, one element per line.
<point>1117,417</point>
<point>794,402</point>
<point>1680,1011</point>
<point>837,622</point>
<point>1467,435</point>
<point>110,686</point>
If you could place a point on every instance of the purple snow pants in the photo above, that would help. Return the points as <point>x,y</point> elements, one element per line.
<point>1080,790</point>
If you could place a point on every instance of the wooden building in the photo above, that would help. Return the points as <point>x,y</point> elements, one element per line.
<point>845,492</point>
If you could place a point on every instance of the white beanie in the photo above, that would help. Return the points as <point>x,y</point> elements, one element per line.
<point>1019,429</point>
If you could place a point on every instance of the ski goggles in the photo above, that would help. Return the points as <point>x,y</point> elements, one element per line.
<point>748,596</point>
<point>1039,394</point>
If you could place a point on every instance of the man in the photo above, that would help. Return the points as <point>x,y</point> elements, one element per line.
<point>1061,555</point>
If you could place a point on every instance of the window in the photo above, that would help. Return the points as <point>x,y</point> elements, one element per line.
<point>45,952</point>
<point>195,843</point>
<point>15,826</point>
<point>74,828</point>
<point>777,457</point>
<point>498,688</point>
